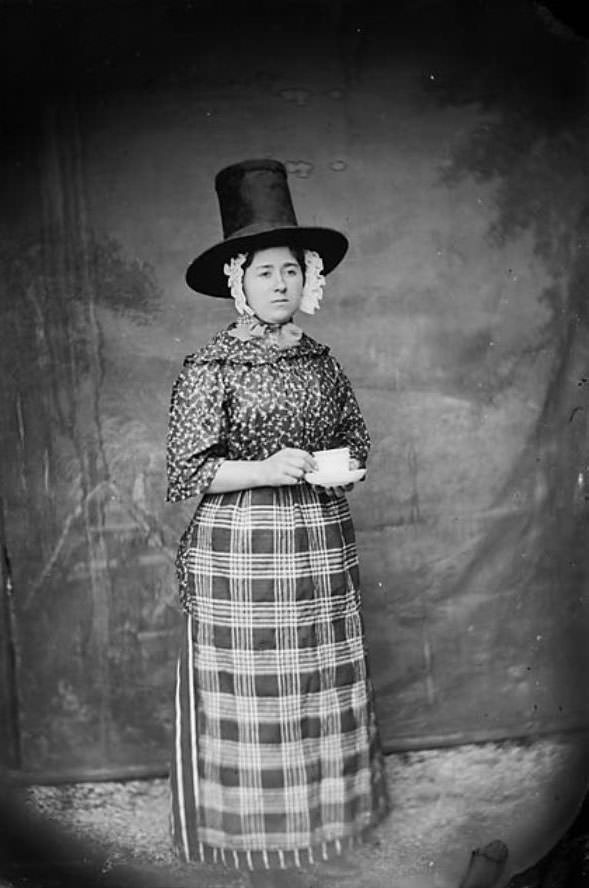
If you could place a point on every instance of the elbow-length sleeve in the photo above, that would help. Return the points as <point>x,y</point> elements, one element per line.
<point>351,429</point>
<point>196,443</point>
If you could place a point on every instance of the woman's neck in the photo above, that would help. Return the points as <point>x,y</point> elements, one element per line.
<point>255,319</point>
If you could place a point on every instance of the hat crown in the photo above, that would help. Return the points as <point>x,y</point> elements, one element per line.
<point>254,196</point>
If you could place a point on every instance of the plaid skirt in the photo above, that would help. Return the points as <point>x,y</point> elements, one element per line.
<point>277,760</point>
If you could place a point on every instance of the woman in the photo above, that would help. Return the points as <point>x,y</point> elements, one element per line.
<point>277,759</point>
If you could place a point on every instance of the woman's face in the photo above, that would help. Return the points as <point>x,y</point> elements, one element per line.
<point>273,284</point>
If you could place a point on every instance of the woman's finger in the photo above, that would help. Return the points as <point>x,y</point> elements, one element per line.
<point>303,465</point>
<point>296,469</point>
<point>304,459</point>
<point>296,472</point>
<point>295,451</point>
<point>338,490</point>
<point>303,462</point>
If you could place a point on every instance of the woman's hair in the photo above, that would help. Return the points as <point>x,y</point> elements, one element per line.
<point>297,252</point>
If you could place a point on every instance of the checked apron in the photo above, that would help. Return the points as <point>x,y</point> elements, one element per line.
<point>276,756</point>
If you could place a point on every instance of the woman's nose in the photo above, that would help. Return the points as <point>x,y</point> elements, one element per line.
<point>280,282</point>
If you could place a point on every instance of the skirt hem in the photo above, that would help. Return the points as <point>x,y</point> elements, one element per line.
<point>281,859</point>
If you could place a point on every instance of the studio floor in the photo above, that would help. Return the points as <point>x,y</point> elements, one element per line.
<point>446,803</point>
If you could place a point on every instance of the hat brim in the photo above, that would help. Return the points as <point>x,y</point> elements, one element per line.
<point>206,275</point>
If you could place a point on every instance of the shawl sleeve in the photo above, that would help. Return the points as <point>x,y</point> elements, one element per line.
<point>351,429</point>
<point>196,444</point>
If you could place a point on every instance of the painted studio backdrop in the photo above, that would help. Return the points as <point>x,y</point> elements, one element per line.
<point>457,166</point>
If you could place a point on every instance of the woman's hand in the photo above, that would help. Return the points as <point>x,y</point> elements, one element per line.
<point>339,490</point>
<point>287,466</point>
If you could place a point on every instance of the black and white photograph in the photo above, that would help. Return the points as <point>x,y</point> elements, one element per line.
<point>294,417</point>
